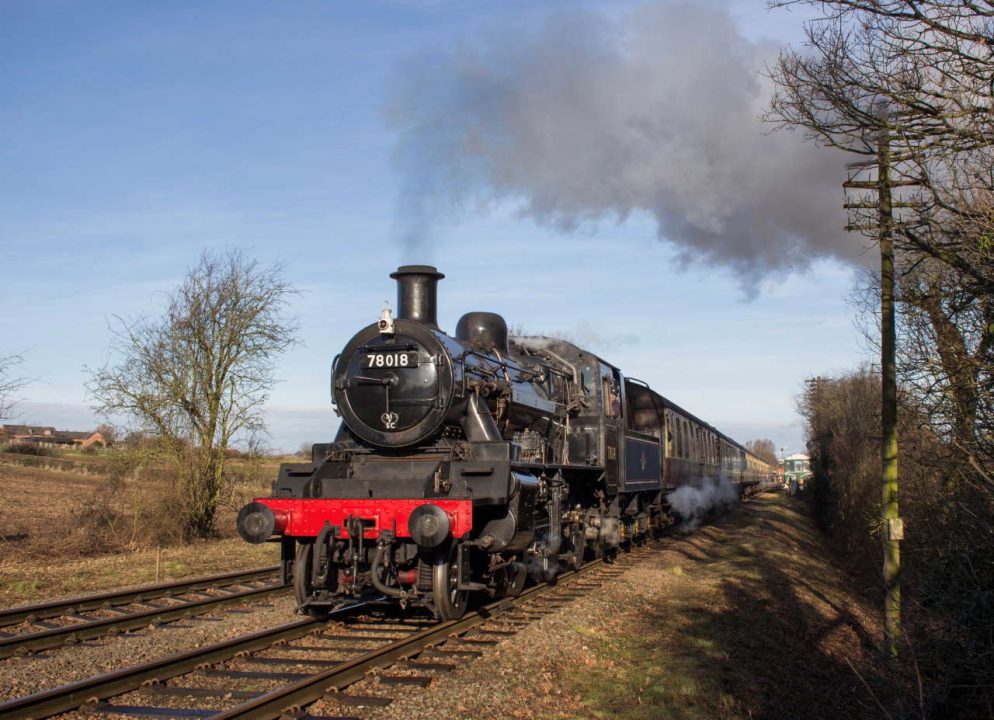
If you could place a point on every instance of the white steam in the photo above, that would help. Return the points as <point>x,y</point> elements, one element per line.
<point>693,503</point>
<point>583,117</point>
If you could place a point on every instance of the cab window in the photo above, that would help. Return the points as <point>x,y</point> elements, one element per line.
<point>611,393</point>
<point>587,379</point>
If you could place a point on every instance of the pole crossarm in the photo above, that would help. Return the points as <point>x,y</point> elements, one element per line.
<point>874,184</point>
<point>875,206</point>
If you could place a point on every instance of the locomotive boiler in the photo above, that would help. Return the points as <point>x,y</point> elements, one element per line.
<point>465,464</point>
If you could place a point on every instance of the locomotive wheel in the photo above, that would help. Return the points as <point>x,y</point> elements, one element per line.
<point>302,587</point>
<point>450,602</point>
<point>658,526</point>
<point>512,580</point>
<point>576,548</point>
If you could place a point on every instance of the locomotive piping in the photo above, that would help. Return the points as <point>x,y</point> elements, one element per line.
<point>417,293</point>
<point>478,422</point>
<point>374,574</point>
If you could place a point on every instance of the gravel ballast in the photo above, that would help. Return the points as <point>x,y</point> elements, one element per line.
<point>31,673</point>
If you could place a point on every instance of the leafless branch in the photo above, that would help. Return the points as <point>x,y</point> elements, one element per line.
<point>9,385</point>
<point>199,376</point>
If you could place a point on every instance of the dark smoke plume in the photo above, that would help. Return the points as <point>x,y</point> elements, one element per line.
<point>581,117</point>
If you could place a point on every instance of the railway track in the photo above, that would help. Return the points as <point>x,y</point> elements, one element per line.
<point>268,673</point>
<point>31,628</point>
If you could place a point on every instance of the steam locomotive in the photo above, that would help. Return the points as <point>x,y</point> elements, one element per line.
<point>466,464</point>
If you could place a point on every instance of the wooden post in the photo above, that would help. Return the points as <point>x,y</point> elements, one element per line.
<point>893,531</point>
<point>892,526</point>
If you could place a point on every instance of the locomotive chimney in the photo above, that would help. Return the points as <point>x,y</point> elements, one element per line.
<point>417,293</point>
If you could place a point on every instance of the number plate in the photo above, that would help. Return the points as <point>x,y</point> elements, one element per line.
<point>390,360</point>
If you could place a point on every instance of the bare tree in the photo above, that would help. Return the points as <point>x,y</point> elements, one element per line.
<point>197,378</point>
<point>764,449</point>
<point>912,82</point>
<point>108,431</point>
<point>921,71</point>
<point>9,384</point>
<point>906,86</point>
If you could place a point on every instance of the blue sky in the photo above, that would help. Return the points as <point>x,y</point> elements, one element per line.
<point>135,135</point>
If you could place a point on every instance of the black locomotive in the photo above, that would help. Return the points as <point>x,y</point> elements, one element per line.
<point>465,464</point>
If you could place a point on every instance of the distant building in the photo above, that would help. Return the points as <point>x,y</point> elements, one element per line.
<point>23,431</point>
<point>797,468</point>
<point>44,436</point>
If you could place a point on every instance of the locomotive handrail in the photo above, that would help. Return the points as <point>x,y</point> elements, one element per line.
<point>557,466</point>
<point>396,346</point>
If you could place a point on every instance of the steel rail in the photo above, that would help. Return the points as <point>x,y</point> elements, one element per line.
<point>77,632</point>
<point>295,696</point>
<point>64,698</point>
<point>13,615</point>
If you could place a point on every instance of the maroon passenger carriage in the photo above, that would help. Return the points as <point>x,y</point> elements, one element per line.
<point>465,464</point>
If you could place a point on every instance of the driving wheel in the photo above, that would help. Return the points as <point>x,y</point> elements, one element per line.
<point>303,588</point>
<point>450,602</point>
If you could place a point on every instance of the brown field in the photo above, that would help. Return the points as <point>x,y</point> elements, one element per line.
<point>72,524</point>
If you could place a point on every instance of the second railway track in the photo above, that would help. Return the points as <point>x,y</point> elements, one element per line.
<point>44,626</point>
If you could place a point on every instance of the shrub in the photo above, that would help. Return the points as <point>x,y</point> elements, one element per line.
<point>947,563</point>
<point>22,448</point>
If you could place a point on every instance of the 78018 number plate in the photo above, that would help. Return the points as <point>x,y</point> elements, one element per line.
<point>390,360</point>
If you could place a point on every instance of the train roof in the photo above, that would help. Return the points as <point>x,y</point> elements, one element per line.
<point>670,405</point>
<point>559,345</point>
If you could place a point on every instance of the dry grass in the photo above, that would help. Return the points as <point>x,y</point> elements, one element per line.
<point>70,528</point>
<point>25,581</point>
<point>107,505</point>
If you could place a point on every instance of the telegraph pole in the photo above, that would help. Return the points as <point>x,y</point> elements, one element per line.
<point>892,524</point>
<point>893,532</point>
